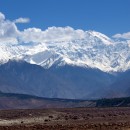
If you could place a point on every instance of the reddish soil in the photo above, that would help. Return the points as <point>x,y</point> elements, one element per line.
<point>66,119</point>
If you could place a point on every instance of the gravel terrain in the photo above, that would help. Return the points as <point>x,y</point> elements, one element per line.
<point>66,119</point>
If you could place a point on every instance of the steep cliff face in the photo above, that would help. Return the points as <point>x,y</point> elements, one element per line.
<point>63,82</point>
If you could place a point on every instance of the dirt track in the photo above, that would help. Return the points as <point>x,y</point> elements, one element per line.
<point>66,119</point>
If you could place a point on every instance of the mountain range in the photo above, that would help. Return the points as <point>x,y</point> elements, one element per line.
<point>92,67</point>
<point>95,50</point>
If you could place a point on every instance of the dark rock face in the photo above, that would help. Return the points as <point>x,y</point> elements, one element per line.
<point>62,82</point>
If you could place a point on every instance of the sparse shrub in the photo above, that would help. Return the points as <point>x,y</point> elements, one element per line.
<point>75,117</point>
<point>46,120</point>
<point>50,116</point>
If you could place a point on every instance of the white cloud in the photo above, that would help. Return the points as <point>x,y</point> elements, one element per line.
<point>22,20</point>
<point>10,34</point>
<point>51,34</point>
<point>123,36</point>
<point>2,17</point>
<point>8,30</point>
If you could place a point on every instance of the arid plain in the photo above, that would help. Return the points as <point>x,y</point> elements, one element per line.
<point>115,118</point>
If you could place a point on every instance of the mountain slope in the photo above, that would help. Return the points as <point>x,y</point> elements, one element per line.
<point>121,86</point>
<point>63,82</point>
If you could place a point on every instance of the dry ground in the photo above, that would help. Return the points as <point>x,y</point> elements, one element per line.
<point>66,119</point>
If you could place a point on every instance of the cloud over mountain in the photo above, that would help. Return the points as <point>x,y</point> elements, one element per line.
<point>2,17</point>
<point>9,33</point>
<point>22,20</point>
<point>8,30</point>
<point>123,36</point>
<point>51,34</point>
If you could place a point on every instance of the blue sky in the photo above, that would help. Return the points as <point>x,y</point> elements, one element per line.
<point>106,16</point>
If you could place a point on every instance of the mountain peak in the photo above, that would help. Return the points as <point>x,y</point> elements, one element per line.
<point>105,39</point>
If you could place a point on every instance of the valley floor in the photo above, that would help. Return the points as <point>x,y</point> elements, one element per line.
<point>66,119</point>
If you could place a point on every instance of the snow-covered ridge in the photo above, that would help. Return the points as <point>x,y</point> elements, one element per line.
<point>93,49</point>
<point>63,45</point>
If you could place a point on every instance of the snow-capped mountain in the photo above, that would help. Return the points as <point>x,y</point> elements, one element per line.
<point>73,69</point>
<point>63,62</point>
<point>94,50</point>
